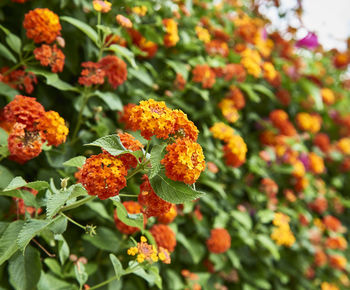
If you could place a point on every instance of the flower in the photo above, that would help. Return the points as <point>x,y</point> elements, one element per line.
<point>152,118</point>
<point>203,74</point>
<point>310,41</point>
<point>337,262</point>
<point>124,116</point>
<point>184,161</point>
<point>102,6</point>
<point>131,207</point>
<point>309,122</point>
<point>329,286</point>
<point>319,205</point>
<point>21,208</point>
<point>50,56</point>
<point>328,96</point>
<point>164,255</point>
<point>343,145</point>
<point>154,205</point>
<point>130,143</point>
<point>148,47</point>
<point>228,110</point>
<point>19,79</point>
<point>332,223</point>
<point>23,144</point>
<point>42,25</point>
<point>184,127</point>
<point>144,251</point>
<point>316,163</point>
<point>222,131</point>
<point>179,82</point>
<point>171,37</point>
<point>282,233</point>
<point>169,216</point>
<point>270,72</point>
<point>219,241</point>
<point>92,74</point>
<point>235,151</point>
<point>54,128</point>
<point>251,61</point>
<point>103,175</point>
<point>24,110</point>
<point>202,34</point>
<point>320,258</point>
<point>237,97</point>
<point>322,141</point>
<point>217,47</point>
<point>231,71</point>
<point>115,70</point>
<point>164,236</point>
<point>335,243</point>
<point>140,10</point>
<point>123,21</point>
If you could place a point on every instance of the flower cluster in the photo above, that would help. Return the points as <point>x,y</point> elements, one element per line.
<point>282,233</point>
<point>131,207</point>
<point>19,79</point>
<point>149,253</point>
<point>219,241</point>
<point>50,56</point>
<point>164,237</point>
<point>171,37</point>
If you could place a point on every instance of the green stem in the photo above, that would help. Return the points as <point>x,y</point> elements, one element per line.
<point>127,195</point>
<point>77,203</point>
<point>86,97</point>
<point>73,221</point>
<point>137,170</point>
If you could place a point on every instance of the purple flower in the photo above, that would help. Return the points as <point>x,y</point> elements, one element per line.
<point>310,41</point>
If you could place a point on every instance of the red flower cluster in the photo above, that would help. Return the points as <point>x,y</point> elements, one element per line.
<point>205,75</point>
<point>219,241</point>
<point>19,79</point>
<point>50,56</point>
<point>164,237</point>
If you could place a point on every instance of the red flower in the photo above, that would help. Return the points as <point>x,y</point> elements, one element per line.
<point>219,241</point>
<point>50,56</point>
<point>164,237</point>
<point>115,70</point>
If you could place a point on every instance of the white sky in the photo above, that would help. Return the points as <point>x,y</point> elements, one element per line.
<point>330,19</point>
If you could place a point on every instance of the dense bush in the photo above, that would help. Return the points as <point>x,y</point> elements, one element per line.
<point>170,144</point>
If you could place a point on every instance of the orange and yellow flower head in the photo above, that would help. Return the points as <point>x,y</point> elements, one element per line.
<point>103,175</point>
<point>92,74</point>
<point>54,128</point>
<point>235,151</point>
<point>316,163</point>
<point>42,25</point>
<point>153,119</point>
<point>102,6</point>
<point>337,262</point>
<point>184,161</point>
<point>123,21</point>
<point>309,122</point>
<point>222,131</point>
<point>124,116</point>
<point>130,143</point>
<point>219,241</point>
<point>164,237</point>
<point>184,127</point>
<point>152,203</point>
<point>131,207</point>
<point>50,56</point>
<point>282,233</point>
<point>169,216</point>
<point>203,74</point>
<point>171,36</point>
<point>115,70</point>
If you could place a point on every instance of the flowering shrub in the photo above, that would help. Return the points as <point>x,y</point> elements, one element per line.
<point>170,144</point>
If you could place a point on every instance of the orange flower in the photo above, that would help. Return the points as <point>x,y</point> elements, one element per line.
<point>131,207</point>
<point>270,73</point>
<point>146,252</point>
<point>54,128</point>
<point>148,47</point>
<point>202,34</point>
<point>322,141</point>
<point>19,79</point>
<point>130,143</point>
<point>228,110</point>
<point>123,21</point>
<point>319,205</point>
<point>231,71</point>
<point>237,97</point>
<point>184,161</point>
<point>24,110</point>
<point>169,216</point>
<point>152,118</point>
<point>329,286</point>
<point>23,144</point>
<point>222,131</point>
<point>171,37</point>
<point>42,25</point>
<point>235,151</point>
<point>278,117</point>
<point>50,56</point>
<point>180,82</point>
<point>217,47</point>
<point>316,163</point>
<point>211,166</point>
<point>298,169</point>
<point>320,258</point>
<point>309,122</point>
<point>219,241</point>
<point>269,187</point>
<point>184,127</point>
<point>283,96</point>
<point>155,206</point>
<point>164,237</point>
<point>203,74</point>
<point>102,6</point>
<point>344,145</point>
<point>332,223</point>
<point>335,243</point>
<point>337,262</point>
<point>124,116</point>
<point>328,96</point>
<point>92,74</point>
<point>251,61</point>
<point>115,70</point>
<point>103,175</point>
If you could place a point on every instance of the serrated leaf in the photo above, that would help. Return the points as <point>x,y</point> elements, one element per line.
<point>7,53</point>
<point>75,162</point>
<point>173,191</point>
<point>105,239</point>
<point>122,51</point>
<point>63,248</point>
<point>7,245</point>
<point>88,30</point>
<point>133,220</point>
<point>112,100</point>
<point>53,80</point>
<point>80,273</point>
<point>142,75</point>
<point>30,229</point>
<point>267,243</point>
<point>24,270</point>
<point>15,183</point>
<point>100,209</point>
<point>110,143</point>
<point>117,266</point>
<point>156,157</point>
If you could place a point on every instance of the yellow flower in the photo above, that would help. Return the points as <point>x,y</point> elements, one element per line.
<point>102,6</point>
<point>202,34</point>
<point>139,10</point>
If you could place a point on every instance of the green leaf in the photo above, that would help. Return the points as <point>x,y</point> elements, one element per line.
<point>196,249</point>
<point>122,51</point>
<point>133,220</point>
<point>4,151</point>
<point>118,268</point>
<point>48,281</point>
<point>6,176</point>
<point>156,157</point>
<point>142,75</point>
<point>111,99</point>
<point>7,53</point>
<point>152,276</point>
<point>56,201</point>
<point>30,229</point>
<point>173,191</point>
<point>7,245</point>
<point>267,243</point>
<point>248,89</point>
<point>105,239</point>
<point>110,143</point>
<point>100,209</point>
<point>63,249</point>
<point>88,30</point>
<point>178,67</point>
<point>312,90</point>
<point>80,273</point>
<point>53,80</point>
<point>75,162</point>
<point>53,265</point>
<point>243,218</point>
<point>18,182</point>
<point>265,216</point>
<point>13,41</point>
<point>264,90</point>
<point>8,92</point>
<point>24,270</point>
